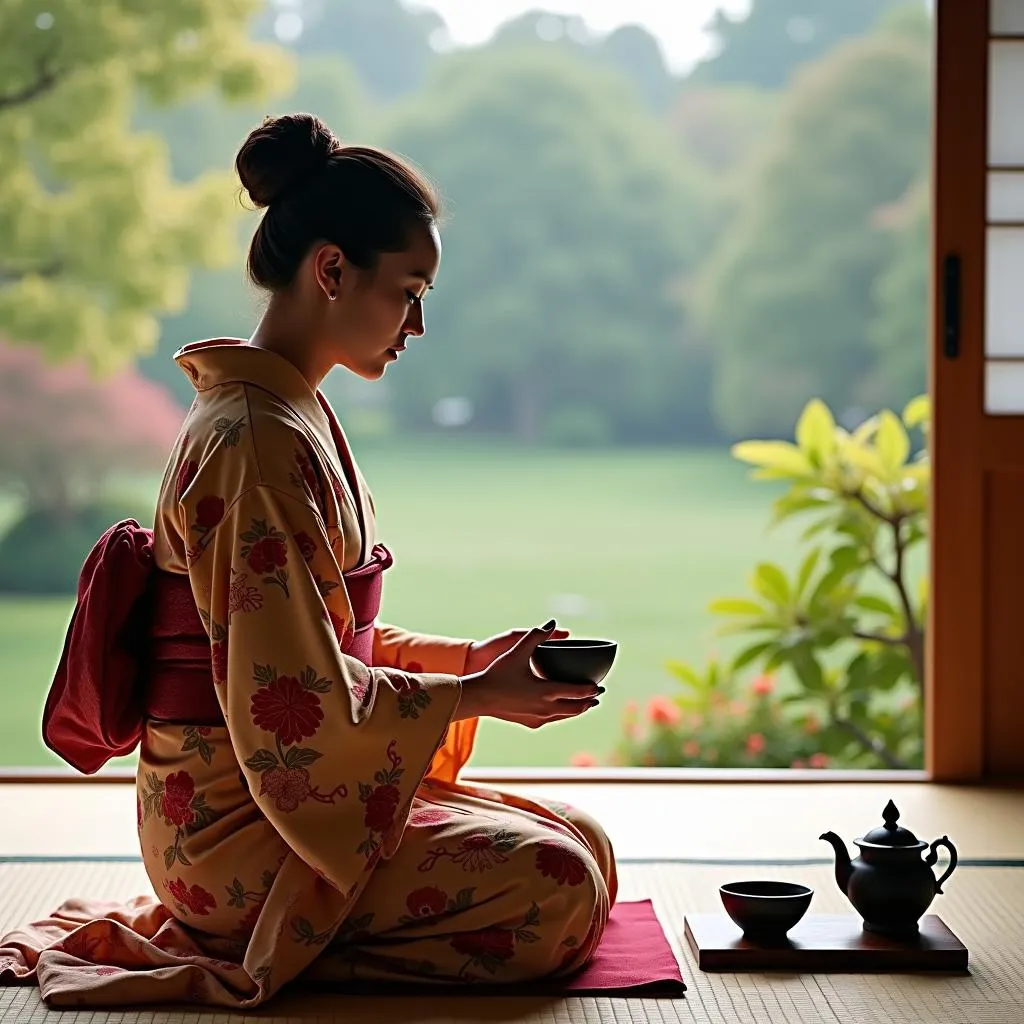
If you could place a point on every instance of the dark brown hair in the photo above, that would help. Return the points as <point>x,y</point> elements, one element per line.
<point>364,200</point>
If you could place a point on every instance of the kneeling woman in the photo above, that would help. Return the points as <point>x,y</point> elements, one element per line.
<point>300,811</point>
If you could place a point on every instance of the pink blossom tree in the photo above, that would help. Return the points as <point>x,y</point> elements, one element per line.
<point>64,431</point>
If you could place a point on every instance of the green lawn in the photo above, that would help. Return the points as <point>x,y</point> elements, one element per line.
<point>627,544</point>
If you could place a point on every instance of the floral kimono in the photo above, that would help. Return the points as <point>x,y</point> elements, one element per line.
<point>316,826</point>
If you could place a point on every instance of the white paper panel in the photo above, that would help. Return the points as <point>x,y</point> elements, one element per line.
<point>1005,101</point>
<point>1004,389</point>
<point>1006,17</point>
<point>1004,292</point>
<point>1006,196</point>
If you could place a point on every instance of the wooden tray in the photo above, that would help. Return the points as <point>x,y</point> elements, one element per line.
<point>824,944</point>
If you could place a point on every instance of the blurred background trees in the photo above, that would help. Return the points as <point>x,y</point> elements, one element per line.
<point>631,255</point>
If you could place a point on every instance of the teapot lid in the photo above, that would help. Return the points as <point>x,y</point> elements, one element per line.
<point>891,834</point>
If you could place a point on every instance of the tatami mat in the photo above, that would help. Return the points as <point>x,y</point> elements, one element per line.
<point>983,905</point>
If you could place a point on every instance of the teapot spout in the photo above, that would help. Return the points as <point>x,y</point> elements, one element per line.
<point>843,867</point>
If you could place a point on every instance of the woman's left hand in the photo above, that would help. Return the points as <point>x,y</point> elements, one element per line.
<point>483,652</point>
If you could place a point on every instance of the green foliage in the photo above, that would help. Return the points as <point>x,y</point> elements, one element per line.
<point>567,226</point>
<point>387,43</point>
<point>848,625</point>
<point>577,426</point>
<point>96,236</point>
<point>43,551</point>
<point>899,329</point>
<point>767,44</point>
<point>630,49</point>
<point>721,127</point>
<point>788,294</point>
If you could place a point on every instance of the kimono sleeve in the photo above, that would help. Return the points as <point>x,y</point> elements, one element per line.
<point>332,751</point>
<point>419,652</point>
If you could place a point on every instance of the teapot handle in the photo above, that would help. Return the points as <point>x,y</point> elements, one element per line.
<point>933,856</point>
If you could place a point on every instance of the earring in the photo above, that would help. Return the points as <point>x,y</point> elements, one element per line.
<point>333,296</point>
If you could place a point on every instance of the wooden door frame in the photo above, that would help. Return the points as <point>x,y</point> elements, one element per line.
<point>954,689</point>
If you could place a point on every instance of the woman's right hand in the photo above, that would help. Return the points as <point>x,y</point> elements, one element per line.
<point>509,689</point>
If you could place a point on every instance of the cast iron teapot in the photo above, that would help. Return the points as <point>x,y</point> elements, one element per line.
<point>889,885</point>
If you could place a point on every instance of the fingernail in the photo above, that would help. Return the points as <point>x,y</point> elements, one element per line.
<point>550,624</point>
<point>600,689</point>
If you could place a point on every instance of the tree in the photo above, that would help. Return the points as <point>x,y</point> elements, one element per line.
<point>388,44</point>
<point>629,48</point>
<point>569,223</point>
<point>899,329</point>
<point>787,295</point>
<point>95,235</point>
<point>720,127</point>
<point>68,431</point>
<point>766,45</point>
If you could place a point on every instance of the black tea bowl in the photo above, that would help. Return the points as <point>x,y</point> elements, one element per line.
<point>765,911</point>
<point>575,661</point>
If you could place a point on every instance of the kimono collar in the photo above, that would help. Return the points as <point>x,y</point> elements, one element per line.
<point>233,361</point>
<point>230,361</point>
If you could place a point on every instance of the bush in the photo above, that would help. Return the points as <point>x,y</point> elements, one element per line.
<point>66,430</point>
<point>42,552</point>
<point>847,628</point>
<point>721,721</point>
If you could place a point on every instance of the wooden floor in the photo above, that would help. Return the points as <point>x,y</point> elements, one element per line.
<point>663,821</point>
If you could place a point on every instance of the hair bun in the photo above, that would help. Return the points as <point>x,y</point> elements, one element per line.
<point>280,153</point>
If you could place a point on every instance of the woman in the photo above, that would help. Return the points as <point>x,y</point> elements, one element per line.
<point>310,818</point>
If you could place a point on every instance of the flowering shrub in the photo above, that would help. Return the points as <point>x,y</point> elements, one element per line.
<point>834,651</point>
<point>720,720</point>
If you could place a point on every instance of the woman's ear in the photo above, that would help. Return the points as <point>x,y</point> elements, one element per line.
<point>327,267</point>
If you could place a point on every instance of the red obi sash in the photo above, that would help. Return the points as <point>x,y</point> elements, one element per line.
<point>136,649</point>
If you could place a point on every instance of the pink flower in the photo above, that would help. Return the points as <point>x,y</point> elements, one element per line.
<point>738,708</point>
<point>487,943</point>
<point>582,759</point>
<point>194,897</point>
<point>691,748</point>
<point>811,725</point>
<point>818,760</point>
<point>381,805</point>
<point>556,861</point>
<point>798,764</point>
<point>662,711</point>
<point>427,902</point>
<point>763,685</point>
<point>755,743</point>
<point>209,512</point>
<point>287,708</point>
<point>176,804</point>
<point>427,816</point>
<point>287,787</point>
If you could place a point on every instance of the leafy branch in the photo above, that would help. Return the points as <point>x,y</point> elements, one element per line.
<point>866,494</point>
<point>46,78</point>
